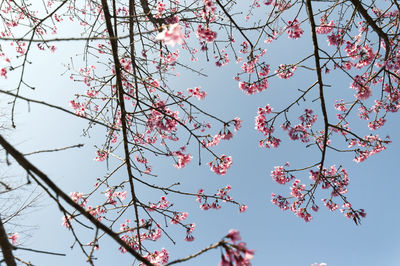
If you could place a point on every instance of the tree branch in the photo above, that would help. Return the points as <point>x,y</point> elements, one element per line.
<point>28,166</point>
<point>6,247</point>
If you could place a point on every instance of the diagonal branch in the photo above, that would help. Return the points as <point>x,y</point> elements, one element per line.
<point>58,108</point>
<point>28,166</point>
<point>220,243</point>
<point>357,4</point>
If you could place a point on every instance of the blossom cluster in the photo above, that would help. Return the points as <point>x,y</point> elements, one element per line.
<point>236,253</point>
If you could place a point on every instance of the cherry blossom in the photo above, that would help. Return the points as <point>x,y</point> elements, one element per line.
<point>293,29</point>
<point>171,35</point>
<point>14,238</point>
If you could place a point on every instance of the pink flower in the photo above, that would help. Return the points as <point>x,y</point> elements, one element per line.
<point>196,92</point>
<point>359,84</point>
<point>285,71</point>
<point>222,166</point>
<point>243,208</point>
<point>234,235</point>
<point>66,220</point>
<point>3,72</point>
<point>335,39</point>
<point>179,217</point>
<point>238,253</point>
<point>14,238</point>
<point>158,257</point>
<point>238,123</point>
<point>293,30</point>
<point>101,155</point>
<point>206,34</point>
<point>325,28</point>
<point>183,159</point>
<point>279,175</point>
<point>171,35</point>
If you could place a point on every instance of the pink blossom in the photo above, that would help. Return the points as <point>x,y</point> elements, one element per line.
<point>178,217</point>
<point>162,204</point>
<point>242,208</point>
<point>206,34</point>
<point>363,90</point>
<point>297,189</point>
<point>237,123</point>
<point>374,125</point>
<point>285,71</point>
<point>280,201</point>
<point>221,165</point>
<point>366,56</point>
<point>340,106</point>
<point>308,119</point>
<point>3,72</point>
<point>214,141</point>
<point>197,93</point>
<point>325,28</point>
<point>183,159</point>
<point>78,198</point>
<point>302,213</point>
<point>335,39</point>
<point>293,29</point>
<point>66,220</point>
<point>299,132</point>
<point>101,155</point>
<point>222,59</point>
<point>238,253</point>
<point>158,257</point>
<point>79,108</point>
<point>254,87</point>
<point>234,235</point>
<point>14,238</point>
<point>189,237</point>
<point>279,175</point>
<point>171,35</point>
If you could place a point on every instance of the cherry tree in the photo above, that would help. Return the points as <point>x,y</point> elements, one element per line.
<point>133,51</point>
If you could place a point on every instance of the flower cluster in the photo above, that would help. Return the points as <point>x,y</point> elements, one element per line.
<point>79,198</point>
<point>158,258</point>
<point>261,125</point>
<point>332,178</point>
<point>183,159</point>
<point>206,34</point>
<point>253,66</point>
<point>179,217</point>
<point>221,165</point>
<point>360,84</point>
<point>369,146</point>
<point>293,29</point>
<point>236,253</point>
<point>280,175</point>
<point>196,92</point>
<point>79,108</point>
<point>162,204</point>
<point>325,28</point>
<point>222,194</point>
<point>111,195</point>
<point>285,71</point>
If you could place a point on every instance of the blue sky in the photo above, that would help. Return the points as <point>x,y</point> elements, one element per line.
<point>279,238</point>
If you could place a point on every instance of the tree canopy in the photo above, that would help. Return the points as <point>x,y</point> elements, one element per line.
<point>136,77</point>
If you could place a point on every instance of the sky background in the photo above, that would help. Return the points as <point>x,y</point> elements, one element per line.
<point>278,238</point>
